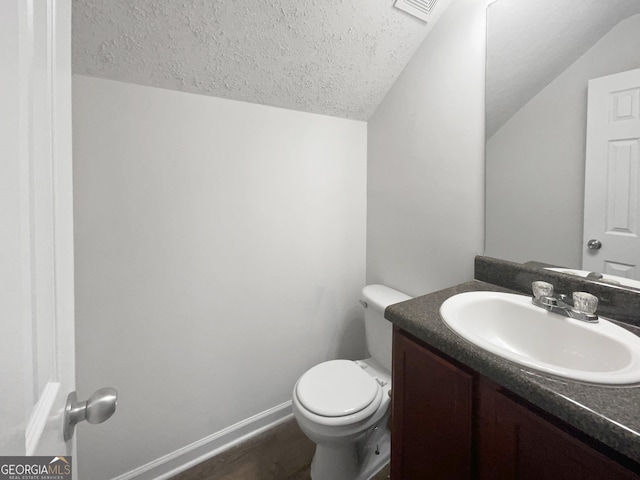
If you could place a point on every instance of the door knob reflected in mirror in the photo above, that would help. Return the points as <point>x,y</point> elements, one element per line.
<point>594,244</point>
<point>100,406</point>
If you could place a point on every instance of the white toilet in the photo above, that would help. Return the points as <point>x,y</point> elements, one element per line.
<point>343,405</point>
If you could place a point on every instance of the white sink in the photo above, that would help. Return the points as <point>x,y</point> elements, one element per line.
<point>509,326</point>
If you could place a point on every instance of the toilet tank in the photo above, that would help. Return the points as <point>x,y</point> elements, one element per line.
<point>378,330</point>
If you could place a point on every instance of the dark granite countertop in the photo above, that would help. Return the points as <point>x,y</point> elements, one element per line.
<point>608,414</point>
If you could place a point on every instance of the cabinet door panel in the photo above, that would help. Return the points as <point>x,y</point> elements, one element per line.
<point>517,444</point>
<point>432,415</point>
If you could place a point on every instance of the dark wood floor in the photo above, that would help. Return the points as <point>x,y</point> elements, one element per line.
<point>282,453</point>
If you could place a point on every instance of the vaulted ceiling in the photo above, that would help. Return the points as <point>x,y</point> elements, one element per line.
<point>530,42</point>
<point>333,57</point>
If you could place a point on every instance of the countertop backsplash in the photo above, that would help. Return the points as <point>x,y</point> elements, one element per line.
<point>613,302</point>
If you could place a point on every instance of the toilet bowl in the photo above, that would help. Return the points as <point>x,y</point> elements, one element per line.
<point>343,405</point>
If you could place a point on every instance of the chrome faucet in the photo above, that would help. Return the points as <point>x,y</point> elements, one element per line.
<point>582,307</point>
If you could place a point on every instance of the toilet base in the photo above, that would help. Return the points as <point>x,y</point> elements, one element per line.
<point>352,461</point>
<point>374,453</point>
<point>336,462</point>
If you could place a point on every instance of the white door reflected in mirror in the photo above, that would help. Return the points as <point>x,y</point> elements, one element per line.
<point>612,177</point>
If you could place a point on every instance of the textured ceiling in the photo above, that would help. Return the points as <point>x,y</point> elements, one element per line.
<point>530,42</point>
<point>334,57</point>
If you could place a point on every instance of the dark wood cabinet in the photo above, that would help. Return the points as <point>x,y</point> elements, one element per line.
<point>449,422</point>
<point>516,443</point>
<point>432,414</point>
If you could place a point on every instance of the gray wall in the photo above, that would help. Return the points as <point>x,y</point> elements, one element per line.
<point>425,190</point>
<point>220,253</point>
<point>535,161</point>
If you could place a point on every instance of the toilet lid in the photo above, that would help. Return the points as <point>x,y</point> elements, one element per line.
<point>336,388</point>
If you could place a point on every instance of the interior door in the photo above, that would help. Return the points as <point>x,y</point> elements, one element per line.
<point>36,218</point>
<point>612,179</point>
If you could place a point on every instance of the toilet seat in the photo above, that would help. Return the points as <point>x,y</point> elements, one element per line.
<point>338,388</point>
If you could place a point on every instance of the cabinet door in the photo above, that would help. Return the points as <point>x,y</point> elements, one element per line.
<point>514,443</point>
<point>431,433</point>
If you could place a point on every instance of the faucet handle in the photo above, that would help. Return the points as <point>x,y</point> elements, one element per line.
<point>585,302</point>
<point>542,289</point>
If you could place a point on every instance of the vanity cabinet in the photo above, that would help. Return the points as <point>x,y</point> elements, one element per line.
<point>432,415</point>
<point>516,443</point>
<point>449,422</point>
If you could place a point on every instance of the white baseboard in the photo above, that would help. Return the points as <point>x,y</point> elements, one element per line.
<point>186,457</point>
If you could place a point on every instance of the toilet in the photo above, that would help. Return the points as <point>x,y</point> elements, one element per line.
<point>343,405</point>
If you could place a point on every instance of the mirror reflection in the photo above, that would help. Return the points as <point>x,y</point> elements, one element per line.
<point>563,135</point>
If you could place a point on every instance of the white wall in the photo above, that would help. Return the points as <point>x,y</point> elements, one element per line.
<point>535,161</point>
<point>426,161</point>
<point>220,252</point>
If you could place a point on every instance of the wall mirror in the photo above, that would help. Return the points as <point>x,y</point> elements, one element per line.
<point>543,59</point>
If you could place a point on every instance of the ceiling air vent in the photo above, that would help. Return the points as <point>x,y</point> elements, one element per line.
<point>418,8</point>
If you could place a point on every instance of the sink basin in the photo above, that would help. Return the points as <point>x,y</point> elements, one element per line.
<point>509,326</point>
